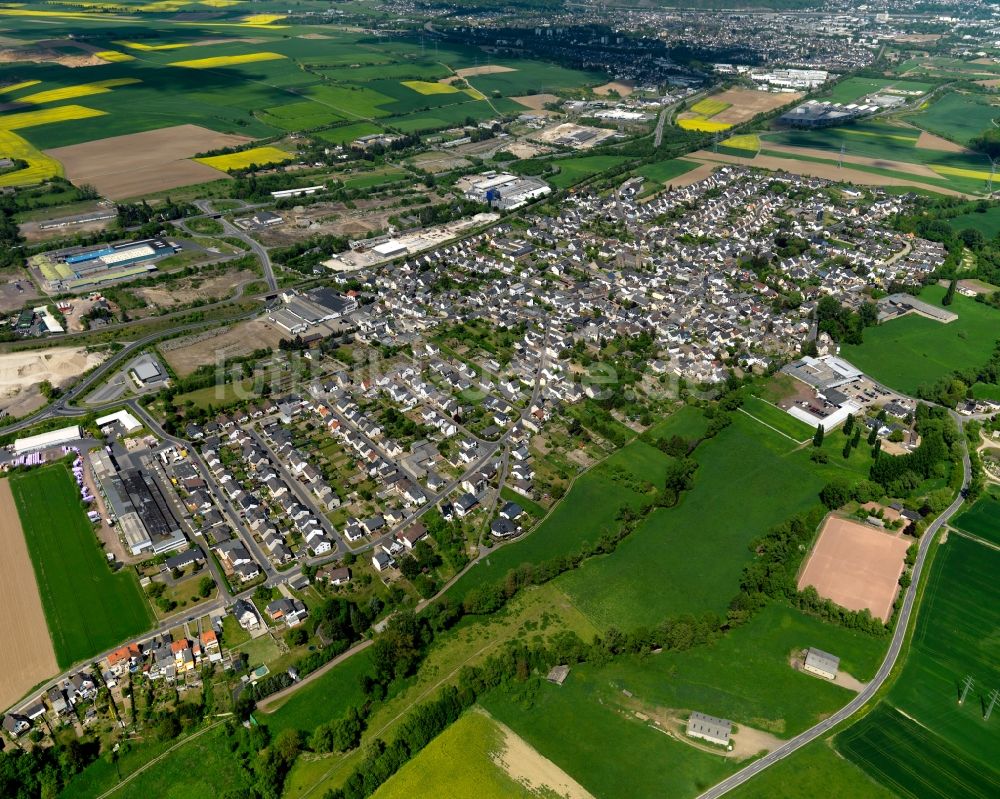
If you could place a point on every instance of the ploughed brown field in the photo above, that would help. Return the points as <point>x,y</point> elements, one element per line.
<point>856,566</point>
<point>143,163</point>
<point>26,654</point>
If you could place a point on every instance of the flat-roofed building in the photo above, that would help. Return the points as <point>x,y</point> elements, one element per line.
<point>53,438</point>
<point>709,728</point>
<point>821,663</point>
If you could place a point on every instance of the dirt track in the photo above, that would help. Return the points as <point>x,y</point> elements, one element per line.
<point>142,163</point>
<point>28,657</point>
<point>856,566</point>
<point>825,171</point>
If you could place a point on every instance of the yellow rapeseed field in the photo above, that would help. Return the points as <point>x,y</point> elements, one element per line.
<point>429,87</point>
<point>40,166</point>
<point>16,87</point>
<point>702,125</point>
<point>746,141</point>
<point>709,107</point>
<point>145,48</point>
<point>475,94</point>
<point>114,56</point>
<point>80,90</point>
<point>226,60</point>
<point>958,172</point>
<point>62,113</point>
<point>241,160</point>
<point>263,19</point>
<point>219,3</point>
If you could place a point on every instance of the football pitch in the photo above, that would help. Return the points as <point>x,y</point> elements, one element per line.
<point>88,609</point>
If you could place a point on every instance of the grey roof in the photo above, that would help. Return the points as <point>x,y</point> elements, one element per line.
<point>823,661</point>
<point>711,726</point>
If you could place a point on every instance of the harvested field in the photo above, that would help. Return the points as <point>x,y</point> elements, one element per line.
<point>488,69</point>
<point>525,765</point>
<point>142,163</point>
<point>188,354</point>
<point>856,566</point>
<point>24,636</point>
<point>624,89</point>
<point>928,141</point>
<point>745,104</point>
<point>21,372</point>
<point>879,163</point>
<point>812,169</point>
<point>536,102</point>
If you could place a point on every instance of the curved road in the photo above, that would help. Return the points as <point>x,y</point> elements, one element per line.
<point>895,647</point>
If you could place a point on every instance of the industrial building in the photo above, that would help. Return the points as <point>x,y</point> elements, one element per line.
<point>136,503</point>
<point>821,663</point>
<point>53,438</point>
<point>76,270</point>
<point>503,191</point>
<point>709,728</point>
<point>302,311</point>
<point>815,114</point>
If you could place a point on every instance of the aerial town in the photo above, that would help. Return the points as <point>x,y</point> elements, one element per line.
<point>385,386</point>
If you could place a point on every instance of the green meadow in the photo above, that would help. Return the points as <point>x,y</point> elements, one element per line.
<point>958,116</point>
<point>914,350</point>
<point>983,518</point>
<point>87,607</point>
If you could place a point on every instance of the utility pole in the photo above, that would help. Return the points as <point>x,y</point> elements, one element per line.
<point>967,684</point>
<point>993,167</point>
<point>994,695</point>
<point>840,162</point>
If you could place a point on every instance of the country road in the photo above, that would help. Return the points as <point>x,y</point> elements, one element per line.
<point>885,670</point>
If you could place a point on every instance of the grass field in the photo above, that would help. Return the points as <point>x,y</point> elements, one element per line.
<point>815,770</point>
<point>957,634</point>
<point>585,514</point>
<point>908,758</point>
<point>983,518</point>
<point>573,170</point>
<point>662,172</point>
<point>775,417</point>
<point>457,763</point>
<point>339,688</point>
<point>853,89</point>
<point>245,158</point>
<point>908,352</point>
<point>987,223</point>
<point>688,559</point>
<point>746,675</point>
<point>601,747</point>
<point>957,116</point>
<point>88,608</point>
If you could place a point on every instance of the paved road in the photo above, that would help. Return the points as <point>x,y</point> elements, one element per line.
<point>895,647</point>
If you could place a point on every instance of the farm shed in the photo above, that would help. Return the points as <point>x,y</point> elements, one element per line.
<point>709,728</point>
<point>821,663</point>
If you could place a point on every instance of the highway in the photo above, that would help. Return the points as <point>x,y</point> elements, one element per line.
<point>885,670</point>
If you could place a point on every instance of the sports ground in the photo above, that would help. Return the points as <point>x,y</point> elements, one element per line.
<point>24,638</point>
<point>88,608</point>
<point>856,566</point>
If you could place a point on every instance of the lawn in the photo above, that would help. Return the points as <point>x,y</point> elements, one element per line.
<point>957,116</point>
<point>573,170</point>
<point>88,609</point>
<point>815,770</point>
<point>662,172</point>
<point>908,352</point>
<point>775,417</point>
<point>601,747</point>
<point>688,559</point>
<point>911,760</point>
<point>457,763</point>
<point>983,518</point>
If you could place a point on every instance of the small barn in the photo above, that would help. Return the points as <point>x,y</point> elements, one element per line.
<point>709,728</point>
<point>821,663</point>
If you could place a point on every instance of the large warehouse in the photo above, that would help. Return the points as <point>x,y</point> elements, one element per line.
<point>53,438</point>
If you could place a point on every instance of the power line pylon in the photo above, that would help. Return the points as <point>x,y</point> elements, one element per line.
<point>967,684</point>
